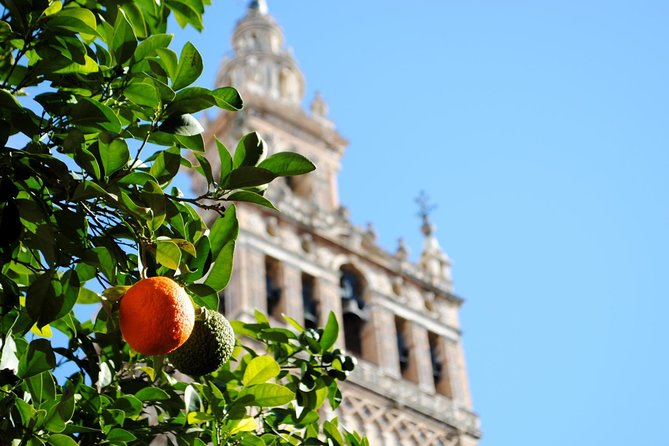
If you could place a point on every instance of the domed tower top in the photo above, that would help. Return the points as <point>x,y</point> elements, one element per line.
<point>261,65</point>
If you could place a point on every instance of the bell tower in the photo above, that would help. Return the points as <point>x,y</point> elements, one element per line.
<point>399,318</point>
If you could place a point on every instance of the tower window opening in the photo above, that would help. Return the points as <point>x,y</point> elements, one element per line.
<point>439,366</point>
<point>273,286</point>
<point>352,289</point>
<point>309,302</point>
<point>403,352</point>
<point>300,186</point>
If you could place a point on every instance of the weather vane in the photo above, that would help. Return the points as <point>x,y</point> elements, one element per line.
<point>424,207</point>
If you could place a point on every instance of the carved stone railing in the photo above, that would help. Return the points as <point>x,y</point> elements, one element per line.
<point>406,393</point>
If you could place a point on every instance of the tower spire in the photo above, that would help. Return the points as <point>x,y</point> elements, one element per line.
<point>261,65</point>
<point>433,259</point>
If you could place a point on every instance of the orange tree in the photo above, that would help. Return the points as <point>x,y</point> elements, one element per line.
<point>95,119</point>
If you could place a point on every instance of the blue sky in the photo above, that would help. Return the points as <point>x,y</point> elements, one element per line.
<point>540,131</point>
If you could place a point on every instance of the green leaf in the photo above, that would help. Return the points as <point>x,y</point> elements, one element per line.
<point>246,424</point>
<point>184,13</point>
<point>287,164</point>
<point>134,15</point>
<point>124,42</point>
<point>228,98</point>
<point>251,197</point>
<point>168,254</point>
<point>199,263</point>
<point>194,142</point>
<point>61,440</point>
<point>199,417</point>
<point>204,168</point>
<point>152,43</point>
<point>185,125</point>
<point>268,394</point>
<point>93,114</point>
<point>79,20</point>
<point>296,325</point>
<point>38,358</point>
<point>224,230</point>
<point>260,370</point>
<point>184,245</point>
<point>247,176</point>
<point>26,411</point>
<point>152,394</point>
<point>86,297</point>
<point>143,92</point>
<point>250,151</point>
<point>204,295</point>
<point>166,165</point>
<point>129,404</point>
<point>42,387</point>
<point>332,431</point>
<point>114,155</point>
<point>42,302</point>
<point>169,61</point>
<point>88,66</point>
<point>330,332</point>
<point>191,100</point>
<point>219,274</point>
<point>225,158</point>
<point>118,435</point>
<point>189,68</point>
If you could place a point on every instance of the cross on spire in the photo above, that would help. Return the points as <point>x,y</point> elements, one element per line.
<point>424,210</point>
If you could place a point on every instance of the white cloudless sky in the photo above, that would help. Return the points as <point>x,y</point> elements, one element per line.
<point>540,129</point>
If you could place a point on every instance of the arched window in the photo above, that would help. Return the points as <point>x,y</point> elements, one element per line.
<point>354,311</point>
<point>273,286</point>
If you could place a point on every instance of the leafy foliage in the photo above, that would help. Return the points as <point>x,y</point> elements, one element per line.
<point>96,118</point>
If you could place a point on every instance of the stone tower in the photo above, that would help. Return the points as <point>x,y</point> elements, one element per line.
<point>399,319</point>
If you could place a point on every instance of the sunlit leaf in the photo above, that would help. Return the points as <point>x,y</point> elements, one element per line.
<point>189,68</point>
<point>330,332</point>
<point>260,370</point>
<point>251,197</point>
<point>250,151</point>
<point>168,254</point>
<point>185,125</point>
<point>219,274</point>
<point>268,394</point>
<point>287,164</point>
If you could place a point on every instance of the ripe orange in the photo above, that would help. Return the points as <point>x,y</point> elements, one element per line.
<point>156,315</point>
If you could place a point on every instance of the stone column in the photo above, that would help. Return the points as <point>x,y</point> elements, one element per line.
<point>445,384</point>
<point>420,361</point>
<point>458,375</point>
<point>379,340</point>
<point>291,294</point>
<point>327,292</point>
<point>247,289</point>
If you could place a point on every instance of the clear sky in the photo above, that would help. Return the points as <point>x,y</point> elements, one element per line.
<point>540,129</point>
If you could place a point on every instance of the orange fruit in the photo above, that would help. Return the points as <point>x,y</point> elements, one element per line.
<point>156,315</point>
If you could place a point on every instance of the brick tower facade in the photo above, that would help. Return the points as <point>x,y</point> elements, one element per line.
<point>400,319</point>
